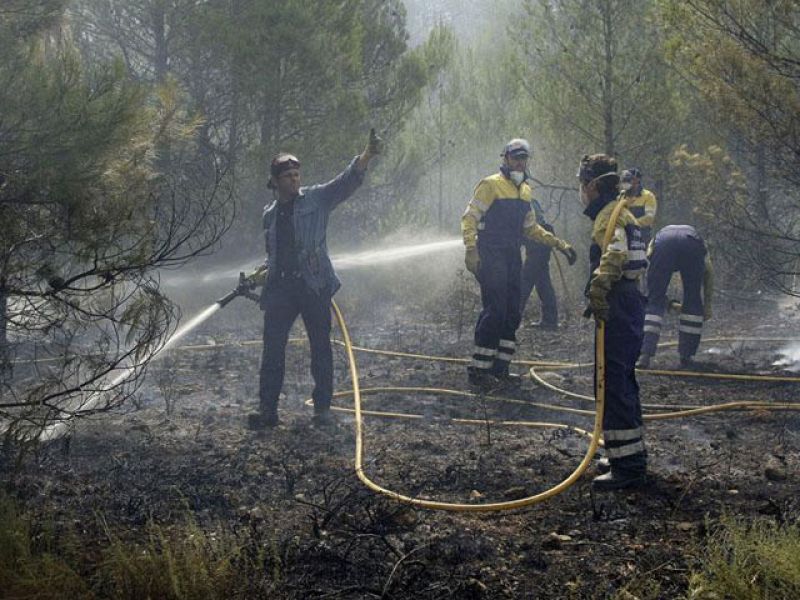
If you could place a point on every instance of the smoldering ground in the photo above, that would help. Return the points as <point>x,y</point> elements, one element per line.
<point>182,452</point>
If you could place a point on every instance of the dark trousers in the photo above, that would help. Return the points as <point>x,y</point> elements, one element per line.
<point>282,302</point>
<point>622,420</point>
<point>496,329</point>
<point>536,274</point>
<point>686,256</point>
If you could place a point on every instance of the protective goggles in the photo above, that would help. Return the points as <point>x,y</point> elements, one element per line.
<point>282,163</point>
<point>587,176</point>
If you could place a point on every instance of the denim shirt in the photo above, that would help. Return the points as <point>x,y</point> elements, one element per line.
<point>312,208</point>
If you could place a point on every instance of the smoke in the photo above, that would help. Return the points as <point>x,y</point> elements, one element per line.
<point>790,358</point>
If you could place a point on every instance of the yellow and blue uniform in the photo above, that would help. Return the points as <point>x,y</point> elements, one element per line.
<point>643,205</point>
<point>678,248</point>
<point>496,220</point>
<point>614,288</point>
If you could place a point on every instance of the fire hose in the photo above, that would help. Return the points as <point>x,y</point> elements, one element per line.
<point>536,498</point>
<point>598,399</point>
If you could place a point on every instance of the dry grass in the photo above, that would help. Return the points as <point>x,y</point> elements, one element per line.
<point>744,561</point>
<point>180,563</point>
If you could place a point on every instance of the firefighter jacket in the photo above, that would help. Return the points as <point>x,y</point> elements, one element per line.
<point>312,209</point>
<point>643,206</point>
<point>625,256</point>
<point>499,214</point>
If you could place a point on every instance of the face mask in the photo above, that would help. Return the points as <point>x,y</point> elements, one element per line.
<point>517,177</point>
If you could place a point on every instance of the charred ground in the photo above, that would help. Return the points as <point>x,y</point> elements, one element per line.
<point>182,454</point>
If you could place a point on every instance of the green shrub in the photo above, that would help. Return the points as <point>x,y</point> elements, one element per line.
<point>183,562</point>
<point>745,561</point>
<point>33,564</point>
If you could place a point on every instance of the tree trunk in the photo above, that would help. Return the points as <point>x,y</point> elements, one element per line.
<point>5,355</point>
<point>608,82</point>
<point>160,49</point>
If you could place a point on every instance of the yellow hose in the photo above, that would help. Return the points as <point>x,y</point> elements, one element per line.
<point>456,507</point>
<point>599,399</point>
<point>684,412</point>
<point>600,396</point>
<point>549,365</point>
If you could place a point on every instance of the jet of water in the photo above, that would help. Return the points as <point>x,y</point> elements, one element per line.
<point>380,257</point>
<point>59,428</point>
<point>366,258</point>
<point>344,261</point>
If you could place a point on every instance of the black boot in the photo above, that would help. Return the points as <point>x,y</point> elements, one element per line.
<point>603,465</point>
<point>688,362</point>
<point>619,479</point>
<point>262,420</point>
<point>508,380</point>
<point>325,419</point>
<point>479,377</point>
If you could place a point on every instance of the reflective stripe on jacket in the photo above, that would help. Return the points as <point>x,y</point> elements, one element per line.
<point>643,207</point>
<point>626,254</point>
<point>499,214</point>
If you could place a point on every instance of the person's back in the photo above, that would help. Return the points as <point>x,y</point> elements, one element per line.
<point>677,248</point>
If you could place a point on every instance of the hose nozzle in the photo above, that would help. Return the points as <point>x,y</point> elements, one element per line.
<point>247,283</point>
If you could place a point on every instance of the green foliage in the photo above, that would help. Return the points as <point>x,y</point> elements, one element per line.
<point>748,561</point>
<point>183,562</point>
<point>180,564</point>
<point>595,80</point>
<point>742,59</point>
<point>34,569</point>
<point>104,183</point>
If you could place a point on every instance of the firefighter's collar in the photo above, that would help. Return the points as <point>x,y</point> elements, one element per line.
<point>598,204</point>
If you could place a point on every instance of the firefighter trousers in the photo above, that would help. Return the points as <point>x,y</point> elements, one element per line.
<point>622,421</point>
<point>283,302</point>
<point>536,275</point>
<point>689,261</point>
<point>496,329</point>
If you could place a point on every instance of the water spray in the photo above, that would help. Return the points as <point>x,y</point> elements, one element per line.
<point>349,260</point>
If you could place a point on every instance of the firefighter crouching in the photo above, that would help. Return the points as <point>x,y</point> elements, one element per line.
<point>494,223</point>
<point>615,297</point>
<point>641,202</point>
<point>678,248</point>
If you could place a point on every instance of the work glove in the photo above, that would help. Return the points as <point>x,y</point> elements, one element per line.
<point>707,313</point>
<point>570,253</point>
<point>598,303</point>
<point>674,307</point>
<point>374,145</point>
<point>258,277</point>
<point>472,260</point>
